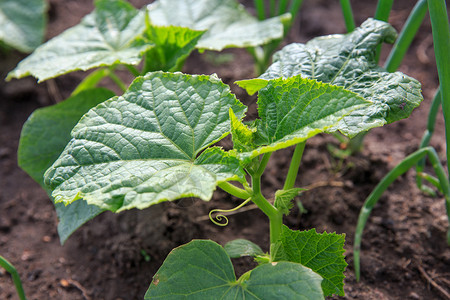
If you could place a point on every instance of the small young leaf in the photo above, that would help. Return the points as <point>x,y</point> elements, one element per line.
<point>202,269</point>
<point>43,138</point>
<point>22,23</point>
<point>173,46</point>
<point>283,199</point>
<point>107,36</point>
<point>228,24</point>
<point>323,253</point>
<point>144,147</point>
<point>349,61</point>
<point>241,135</point>
<point>295,109</point>
<point>240,247</point>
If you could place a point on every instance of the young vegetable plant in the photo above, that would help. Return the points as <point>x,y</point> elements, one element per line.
<point>116,35</point>
<point>155,143</point>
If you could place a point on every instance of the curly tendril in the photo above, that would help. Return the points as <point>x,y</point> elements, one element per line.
<point>219,217</point>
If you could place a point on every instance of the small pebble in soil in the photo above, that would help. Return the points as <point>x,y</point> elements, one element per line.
<point>26,255</point>
<point>413,295</point>
<point>46,239</point>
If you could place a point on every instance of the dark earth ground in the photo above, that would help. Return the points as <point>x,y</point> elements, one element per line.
<point>404,254</point>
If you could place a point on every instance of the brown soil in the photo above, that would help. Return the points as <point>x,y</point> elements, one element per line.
<point>404,253</point>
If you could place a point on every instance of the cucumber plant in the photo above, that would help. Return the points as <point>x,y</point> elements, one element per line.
<point>156,143</point>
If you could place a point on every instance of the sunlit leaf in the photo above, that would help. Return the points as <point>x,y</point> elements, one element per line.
<point>147,146</point>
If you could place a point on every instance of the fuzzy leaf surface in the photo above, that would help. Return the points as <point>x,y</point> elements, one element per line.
<point>22,23</point>
<point>202,269</point>
<point>348,60</point>
<point>44,136</point>
<point>295,109</point>
<point>228,24</point>
<point>108,36</point>
<point>240,247</point>
<point>144,147</point>
<point>322,252</point>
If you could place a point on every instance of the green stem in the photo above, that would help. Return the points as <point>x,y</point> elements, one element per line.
<point>15,277</point>
<point>355,144</point>
<point>272,8</point>
<point>382,13</point>
<point>263,163</point>
<point>117,81</point>
<point>406,36</point>
<point>260,11</point>
<point>434,109</point>
<point>133,70</point>
<point>282,6</point>
<point>348,15</point>
<point>373,198</point>
<point>259,57</point>
<point>441,41</point>
<point>294,166</point>
<point>275,216</point>
<point>234,190</point>
<point>383,10</point>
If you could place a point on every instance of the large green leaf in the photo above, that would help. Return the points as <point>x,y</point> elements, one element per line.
<point>323,253</point>
<point>107,36</point>
<point>22,23</point>
<point>143,147</point>
<point>44,136</point>
<point>202,270</point>
<point>348,60</point>
<point>227,22</point>
<point>295,109</point>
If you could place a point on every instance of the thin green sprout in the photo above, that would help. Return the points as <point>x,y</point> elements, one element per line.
<point>406,36</point>
<point>282,6</point>
<point>382,13</point>
<point>15,277</point>
<point>259,5</point>
<point>409,162</point>
<point>434,109</point>
<point>441,41</point>
<point>348,15</point>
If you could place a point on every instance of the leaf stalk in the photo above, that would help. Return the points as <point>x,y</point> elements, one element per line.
<point>294,166</point>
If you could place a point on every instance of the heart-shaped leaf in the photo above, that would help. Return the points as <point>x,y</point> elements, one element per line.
<point>146,146</point>
<point>322,252</point>
<point>202,269</point>
<point>348,60</point>
<point>44,136</point>
<point>228,24</point>
<point>107,36</point>
<point>22,23</point>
